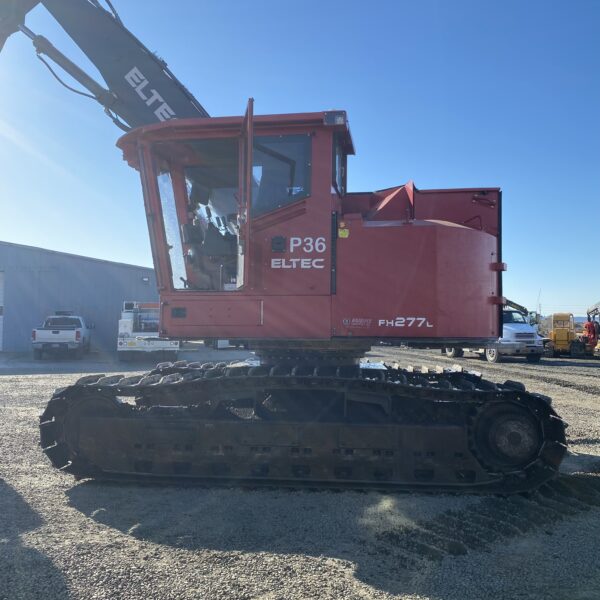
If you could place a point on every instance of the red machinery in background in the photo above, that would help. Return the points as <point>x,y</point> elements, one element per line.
<point>254,236</point>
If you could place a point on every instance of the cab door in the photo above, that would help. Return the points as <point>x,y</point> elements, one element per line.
<point>291,212</point>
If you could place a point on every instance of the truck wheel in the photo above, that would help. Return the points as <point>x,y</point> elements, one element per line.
<point>454,352</point>
<point>38,354</point>
<point>492,355</point>
<point>533,358</point>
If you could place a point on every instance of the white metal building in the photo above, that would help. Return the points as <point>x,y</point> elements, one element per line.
<point>35,283</point>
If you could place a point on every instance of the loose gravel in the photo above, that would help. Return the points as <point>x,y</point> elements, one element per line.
<point>62,539</point>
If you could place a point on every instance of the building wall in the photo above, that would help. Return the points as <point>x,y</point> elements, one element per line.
<point>38,282</point>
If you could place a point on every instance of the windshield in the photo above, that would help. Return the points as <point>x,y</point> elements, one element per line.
<point>512,316</point>
<point>202,222</point>
<point>562,323</point>
<point>62,322</point>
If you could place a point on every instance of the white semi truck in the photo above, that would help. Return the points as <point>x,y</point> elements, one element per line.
<point>138,332</point>
<point>519,338</point>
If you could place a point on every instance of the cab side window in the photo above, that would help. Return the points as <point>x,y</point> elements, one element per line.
<point>281,171</point>
<point>339,167</point>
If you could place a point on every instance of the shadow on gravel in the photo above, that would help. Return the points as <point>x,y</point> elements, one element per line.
<point>393,540</point>
<point>106,363</point>
<point>584,441</point>
<point>64,367</point>
<point>472,361</point>
<point>25,573</point>
<point>573,362</point>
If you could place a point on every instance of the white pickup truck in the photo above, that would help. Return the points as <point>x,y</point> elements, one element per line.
<point>62,333</point>
<point>519,338</point>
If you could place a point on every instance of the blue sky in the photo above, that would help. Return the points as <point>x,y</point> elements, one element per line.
<point>449,94</point>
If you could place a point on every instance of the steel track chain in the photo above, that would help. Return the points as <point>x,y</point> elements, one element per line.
<point>192,391</point>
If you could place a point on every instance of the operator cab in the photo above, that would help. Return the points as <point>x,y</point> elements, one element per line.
<point>214,179</point>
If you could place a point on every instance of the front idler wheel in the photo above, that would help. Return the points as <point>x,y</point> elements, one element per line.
<point>507,437</point>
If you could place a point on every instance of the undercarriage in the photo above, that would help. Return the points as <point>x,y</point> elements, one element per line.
<point>357,426</point>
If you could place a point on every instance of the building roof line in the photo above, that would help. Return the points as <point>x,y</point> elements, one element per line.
<point>71,255</point>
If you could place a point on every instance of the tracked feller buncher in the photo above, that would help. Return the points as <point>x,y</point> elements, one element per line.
<point>255,237</point>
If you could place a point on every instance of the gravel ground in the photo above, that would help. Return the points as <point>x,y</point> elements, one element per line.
<point>61,539</point>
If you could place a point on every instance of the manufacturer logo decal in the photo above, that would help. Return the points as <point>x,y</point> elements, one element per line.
<point>307,245</point>
<point>357,322</point>
<point>297,263</point>
<point>138,82</point>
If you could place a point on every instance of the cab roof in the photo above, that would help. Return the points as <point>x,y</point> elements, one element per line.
<point>183,129</point>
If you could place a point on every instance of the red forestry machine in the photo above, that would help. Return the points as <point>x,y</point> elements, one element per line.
<point>254,236</point>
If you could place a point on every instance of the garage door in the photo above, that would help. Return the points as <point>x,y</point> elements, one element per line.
<point>1,306</point>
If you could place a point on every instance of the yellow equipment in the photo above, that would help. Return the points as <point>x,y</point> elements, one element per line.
<point>563,339</point>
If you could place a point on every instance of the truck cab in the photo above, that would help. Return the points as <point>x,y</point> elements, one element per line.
<point>519,338</point>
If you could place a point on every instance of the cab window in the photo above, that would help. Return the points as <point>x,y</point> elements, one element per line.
<point>281,171</point>
<point>339,167</point>
<point>510,316</point>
